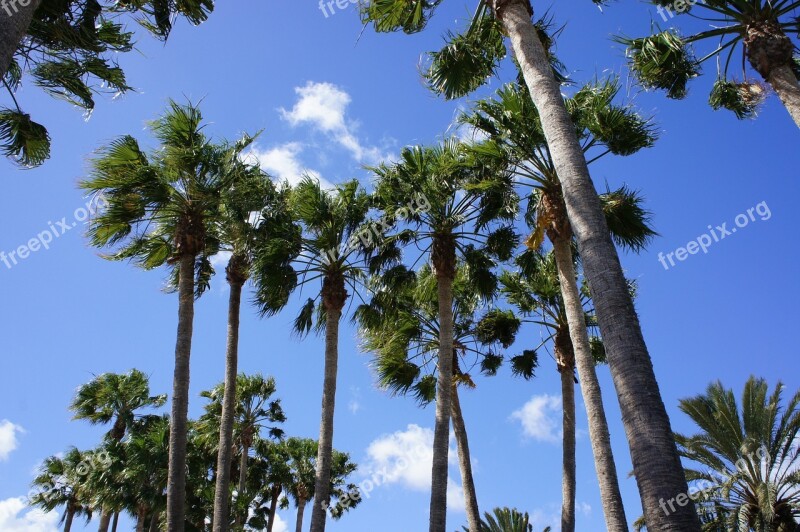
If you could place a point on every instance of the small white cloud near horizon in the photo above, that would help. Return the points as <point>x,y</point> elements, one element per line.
<point>16,516</point>
<point>323,106</point>
<point>405,458</point>
<point>8,438</point>
<point>283,163</point>
<point>540,418</point>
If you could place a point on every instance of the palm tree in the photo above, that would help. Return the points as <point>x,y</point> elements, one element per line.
<point>269,237</point>
<point>748,457</point>
<point>465,63</point>
<point>252,409</point>
<point>399,325</point>
<point>61,482</point>
<point>114,398</point>
<point>465,198</point>
<point>161,209</point>
<point>334,222</point>
<point>761,31</point>
<point>506,520</point>
<point>146,467</point>
<point>513,129</point>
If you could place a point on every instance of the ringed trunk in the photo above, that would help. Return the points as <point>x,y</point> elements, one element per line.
<point>465,464</point>
<point>225,454</point>
<point>656,463</point>
<point>599,435</point>
<point>176,481</point>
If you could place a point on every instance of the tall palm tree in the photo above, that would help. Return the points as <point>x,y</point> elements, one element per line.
<point>114,398</point>
<point>466,62</point>
<point>161,210</point>
<point>468,202</point>
<point>513,130</point>
<point>762,33</point>
<point>748,456</point>
<point>268,236</point>
<point>253,408</point>
<point>400,326</point>
<point>60,481</point>
<point>333,253</point>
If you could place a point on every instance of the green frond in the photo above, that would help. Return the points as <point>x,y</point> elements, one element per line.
<point>410,16</point>
<point>744,99</point>
<point>662,61</point>
<point>22,139</point>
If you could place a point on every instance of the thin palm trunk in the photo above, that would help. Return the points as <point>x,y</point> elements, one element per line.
<point>243,460</point>
<point>115,522</point>
<point>68,519</point>
<point>141,518</point>
<point>15,17</point>
<point>656,464</point>
<point>176,480</point>
<point>225,453</point>
<point>325,451</point>
<point>444,392</point>
<point>273,507</point>
<point>154,522</point>
<point>301,508</point>
<point>599,435</point>
<point>568,441</point>
<point>786,86</point>
<point>465,464</point>
<point>105,521</point>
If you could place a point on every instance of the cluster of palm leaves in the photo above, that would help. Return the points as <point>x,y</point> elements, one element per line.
<point>127,472</point>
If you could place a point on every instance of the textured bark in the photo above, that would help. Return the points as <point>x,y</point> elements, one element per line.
<point>657,467</point>
<point>105,522</point>
<point>141,518</point>
<point>565,368</point>
<point>243,461</point>
<point>444,390</point>
<point>325,452</point>
<point>599,435</point>
<point>465,464</point>
<point>15,17</point>
<point>786,86</point>
<point>68,519</point>
<point>176,480</point>
<point>301,508</point>
<point>273,507</point>
<point>225,453</point>
<point>154,522</point>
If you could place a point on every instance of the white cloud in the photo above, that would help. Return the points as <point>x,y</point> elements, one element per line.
<point>583,507</point>
<point>355,400</point>
<point>323,106</point>
<point>540,418</point>
<point>8,438</point>
<point>280,525</point>
<point>15,518</point>
<point>405,458</point>
<point>283,162</point>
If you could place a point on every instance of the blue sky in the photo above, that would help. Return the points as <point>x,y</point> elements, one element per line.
<point>329,102</point>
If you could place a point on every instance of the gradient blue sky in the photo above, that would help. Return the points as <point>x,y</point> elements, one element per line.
<point>67,315</point>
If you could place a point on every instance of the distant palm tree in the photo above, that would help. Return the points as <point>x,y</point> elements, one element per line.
<point>162,209</point>
<point>146,466</point>
<point>506,520</point>
<point>751,456</point>
<point>61,481</point>
<point>761,31</point>
<point>471,208</point>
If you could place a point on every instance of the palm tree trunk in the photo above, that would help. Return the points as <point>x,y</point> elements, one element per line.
<point>105,521</point>
<point>115,522</point>
<point>568,450</point>
<point>176,480</point>
<point>224,456</point>
<point>15,17</point>
<point>325,451</point>
<point>444,391</point>
<point>786,86</point>
<point>68,519</point>
<point>465,464</point>
<point>154,522</point>
<point>301,507</point>
<point>599,434</point>
<point>273,507</point>
<point>141,518</point>
<point>243,459</point>
<point>656,464</point>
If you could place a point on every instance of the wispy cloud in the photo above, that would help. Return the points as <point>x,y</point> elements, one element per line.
<point>8,439</point>
<point>15,518</point>
<point>284,163</point>
<point>540,418</point>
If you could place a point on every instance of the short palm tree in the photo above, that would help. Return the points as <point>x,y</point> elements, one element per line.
<point>762,33</point>
<point>465,63</point>
<point>331,252</point>
<point>162,209</point>
<point>400,326</point>
<point>470,208</point>
<point>507,520</point>
<point>267,239</point>
<point>748,456</point>
<point>61,482</point>
<point>146,466</point>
